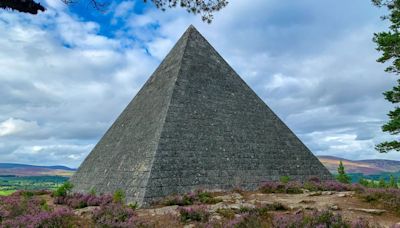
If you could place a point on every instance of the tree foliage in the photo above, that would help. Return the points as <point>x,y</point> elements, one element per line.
<point>206,8</point>
<point>388,43</point>
<point>342,176</point>
<point>24,6</point>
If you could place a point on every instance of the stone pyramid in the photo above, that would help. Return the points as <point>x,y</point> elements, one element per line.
<point>194,124</point>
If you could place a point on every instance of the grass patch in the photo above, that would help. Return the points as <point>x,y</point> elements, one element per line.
<point>6,192</point>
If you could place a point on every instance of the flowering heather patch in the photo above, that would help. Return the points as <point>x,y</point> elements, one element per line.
<point>197,213</point>
<point>245,220</point>
<point>291,187</point>
<point>389,197</point>
<point>14,206</point>
<point>314,184</point>
<point>79,200</point>
<point>362,223</point>
<point>326,186</point>
<point>58,218</point>
<point>316,219</point>
<point>116,215</point>
<point>197,197</point>
<point>21,210</point>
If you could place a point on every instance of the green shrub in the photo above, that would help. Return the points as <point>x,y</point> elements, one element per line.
<point>248,221</point>
<point>64,189</point>
<point>92,191</point>
<point>194,213</point>
<point>226,212</point>
<point>197,197</point>
<point>285,179</point>
<point>133,206</point>
<point>119,196</point>
<point>207,198</point>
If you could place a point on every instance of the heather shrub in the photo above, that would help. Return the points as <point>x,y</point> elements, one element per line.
<point>23,210</point>
<point>197,213</point>
<point>226,212</point>
<point>275,206</point>
<point>314,179</point>
<point>316,219</point>
<point>247,220</point>
<point>116,215</point>
<point>206,197</point>
<point>272,187</point>
<point>58,218</point>
<point>334,186</point>
<point>14,206</point>
<point>363,223</point>
<point>389,197</point>
<point>80,200</point>
<point>291,187</point>
<point>197,197</point>
<point>186,199</point>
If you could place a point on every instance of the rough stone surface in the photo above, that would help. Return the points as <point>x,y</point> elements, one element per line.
<point>367,210</point>
<point>194,124</point>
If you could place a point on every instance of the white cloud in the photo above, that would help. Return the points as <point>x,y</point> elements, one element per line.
<point>13,126</point>
<point>317,71</point>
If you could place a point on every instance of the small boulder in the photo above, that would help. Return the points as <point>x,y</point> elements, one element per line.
<point>334,207</point>
<point>369,211</point>
<point>315,193</point>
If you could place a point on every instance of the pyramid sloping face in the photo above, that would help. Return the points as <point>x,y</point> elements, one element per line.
<point>194,124</point>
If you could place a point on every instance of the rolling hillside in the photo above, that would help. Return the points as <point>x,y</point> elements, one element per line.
<point>366,167</point>
<point>32,170</point>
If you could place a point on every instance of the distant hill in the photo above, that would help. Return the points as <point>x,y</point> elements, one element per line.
<point>11,169</point>
<point>366,167</point>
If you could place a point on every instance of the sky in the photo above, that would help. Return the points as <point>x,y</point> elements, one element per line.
<point>66,74</point>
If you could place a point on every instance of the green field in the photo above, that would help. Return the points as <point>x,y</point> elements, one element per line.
<point>10,184</point>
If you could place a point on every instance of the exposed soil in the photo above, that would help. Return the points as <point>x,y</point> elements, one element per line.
<point>345,203</point>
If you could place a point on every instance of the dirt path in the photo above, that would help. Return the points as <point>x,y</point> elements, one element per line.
<point>344,202</point>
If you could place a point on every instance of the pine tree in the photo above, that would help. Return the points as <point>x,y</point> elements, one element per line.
<point>363,182</point>
<point>342,176</point>
<point>392,182</point>
<point>388,43</point>
<point>382,183</point>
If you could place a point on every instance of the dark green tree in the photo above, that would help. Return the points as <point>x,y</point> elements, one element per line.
<point>388,43</point>
<point>342,176</point>
<point>363,182</point>
<point>382,183</point>
<point>392,182</point>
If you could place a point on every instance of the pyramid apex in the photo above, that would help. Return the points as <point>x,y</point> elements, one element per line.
<point>192,28</point>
